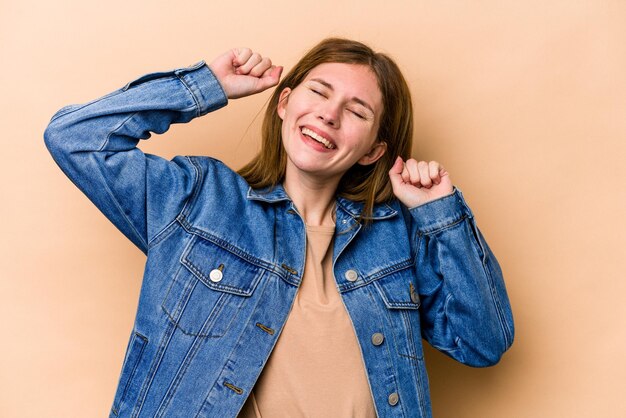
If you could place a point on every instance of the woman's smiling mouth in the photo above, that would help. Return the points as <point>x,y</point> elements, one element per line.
<point>313,135</point>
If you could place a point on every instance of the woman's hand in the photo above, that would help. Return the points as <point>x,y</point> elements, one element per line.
<point>415,183</point>
<point>242,72</point>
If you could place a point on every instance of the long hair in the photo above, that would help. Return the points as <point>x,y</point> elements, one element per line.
<point>368,184</point>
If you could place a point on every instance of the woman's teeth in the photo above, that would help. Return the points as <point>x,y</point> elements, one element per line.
<point>318,138</point>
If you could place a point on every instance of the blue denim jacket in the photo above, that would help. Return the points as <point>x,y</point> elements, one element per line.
<point>224,263</point>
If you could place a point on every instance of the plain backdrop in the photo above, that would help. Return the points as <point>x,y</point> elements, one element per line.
<point>523,102</point>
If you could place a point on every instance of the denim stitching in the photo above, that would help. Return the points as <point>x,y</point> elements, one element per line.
<point>121,211</point>
<point>180,373</point>
<point>225,245</point>
<point>205,404</point>
<point>165,231</point>
<point>73,108</point>
<point>129,380</point>
<point>156,362</point>
<point>402,265</point>
<point>191,93</point>
<point>416,366</point>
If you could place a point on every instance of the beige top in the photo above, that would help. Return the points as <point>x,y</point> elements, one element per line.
<point>316,368</point>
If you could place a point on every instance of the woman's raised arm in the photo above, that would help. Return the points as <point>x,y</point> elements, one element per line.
<point>95,144</point>
<point>465,308</point>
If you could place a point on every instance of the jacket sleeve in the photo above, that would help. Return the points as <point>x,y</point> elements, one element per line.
<point>465,311</point>
<point>95,144</point>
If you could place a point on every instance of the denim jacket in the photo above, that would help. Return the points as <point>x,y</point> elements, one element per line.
<point>224,263</point>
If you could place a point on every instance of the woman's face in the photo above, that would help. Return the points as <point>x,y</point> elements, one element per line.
<point>330,121</point>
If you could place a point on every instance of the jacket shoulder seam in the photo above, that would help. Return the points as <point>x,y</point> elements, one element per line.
<point>162,234</point>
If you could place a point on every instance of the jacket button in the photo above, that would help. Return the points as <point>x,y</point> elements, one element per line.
<point>215,275</point>
<point>378,338</point>
<point>351,275</point>
<point>393,399</point>
<point>415,298</point>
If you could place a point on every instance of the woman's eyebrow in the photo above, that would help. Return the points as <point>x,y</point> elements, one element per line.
<point>354,99</point>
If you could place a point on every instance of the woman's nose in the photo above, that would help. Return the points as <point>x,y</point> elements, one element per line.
<point>329,114</point>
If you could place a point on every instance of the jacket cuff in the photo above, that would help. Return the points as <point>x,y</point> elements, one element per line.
<point>204,86</point>
<point>441,212</point>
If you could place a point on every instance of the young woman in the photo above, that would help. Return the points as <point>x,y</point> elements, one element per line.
<point>303,285</point>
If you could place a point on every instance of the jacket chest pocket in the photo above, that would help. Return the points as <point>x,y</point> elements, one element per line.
<point>402,302</point>
<point>208,289</point>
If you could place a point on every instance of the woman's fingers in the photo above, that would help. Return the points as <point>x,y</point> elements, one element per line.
<point>243,72</point>
<point>254,59</point>
<point>406,177</point>
<point>396,172</point>
<point>269,71</point>
<point>242,56</point>
<point>434,170</point>
<point>251,63</point>
<point>259,69</point>
<point>412,176</point>
<point>269,78</point>
<point>415,183</point>
<point>422,173</point>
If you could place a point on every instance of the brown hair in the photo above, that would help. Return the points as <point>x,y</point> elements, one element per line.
<point>368,184</point>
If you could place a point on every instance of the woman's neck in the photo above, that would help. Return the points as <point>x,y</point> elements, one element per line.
<point>314,199</point>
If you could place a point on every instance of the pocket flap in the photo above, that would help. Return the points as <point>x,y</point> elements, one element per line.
<point>205,259</point>
<point>398,290</point>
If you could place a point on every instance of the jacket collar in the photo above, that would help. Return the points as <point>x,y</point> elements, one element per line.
<point>277,194</point>
<point>268,194</point>
<point>380,211</point>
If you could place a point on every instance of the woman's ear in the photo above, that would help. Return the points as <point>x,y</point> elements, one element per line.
<point>378,150</point>
<point>282,102</point>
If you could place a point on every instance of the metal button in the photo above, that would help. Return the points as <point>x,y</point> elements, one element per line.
<point>351,275</point>
<point>378,338</point>
<point>415,298</point>
<point>393,399</point>
<point>215,275</point>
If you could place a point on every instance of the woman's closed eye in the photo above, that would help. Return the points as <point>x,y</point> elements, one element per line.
<point>357,113</point>
<point>318,92</point>
<point>361,114</point>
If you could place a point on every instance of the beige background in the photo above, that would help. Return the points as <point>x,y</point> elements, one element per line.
<point>523,102</point>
